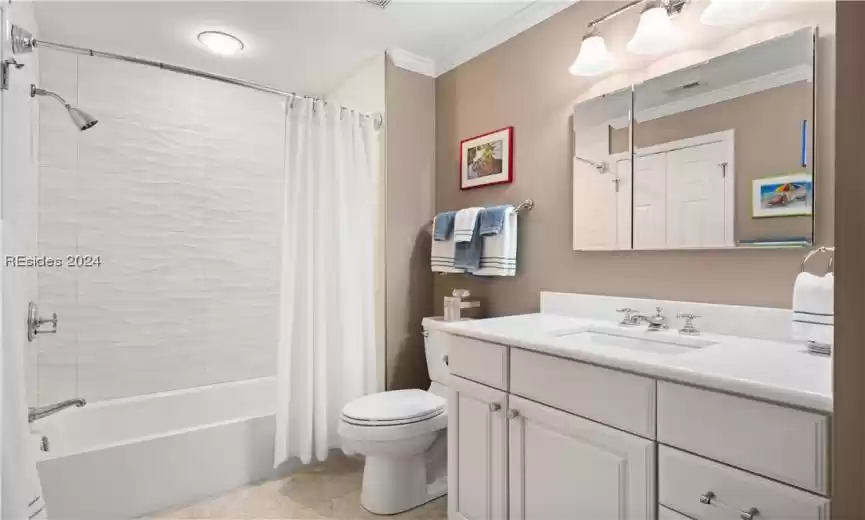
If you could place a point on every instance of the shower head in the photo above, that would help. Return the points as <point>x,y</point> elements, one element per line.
<point>81,119</point>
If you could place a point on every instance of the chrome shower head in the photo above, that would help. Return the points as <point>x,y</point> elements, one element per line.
<point>81,119</point>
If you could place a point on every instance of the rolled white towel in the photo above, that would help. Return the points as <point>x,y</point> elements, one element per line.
<point>814,308</point>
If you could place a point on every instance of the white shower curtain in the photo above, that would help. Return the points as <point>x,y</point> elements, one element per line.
<point>327,338</point>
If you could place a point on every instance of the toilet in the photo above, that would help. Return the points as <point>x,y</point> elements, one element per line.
<point>403,436</point>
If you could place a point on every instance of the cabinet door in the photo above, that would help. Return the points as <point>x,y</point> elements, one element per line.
<point>563,467</point>
<point>477,451</point>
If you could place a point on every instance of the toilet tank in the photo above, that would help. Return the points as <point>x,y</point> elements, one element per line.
<point>436,346</point>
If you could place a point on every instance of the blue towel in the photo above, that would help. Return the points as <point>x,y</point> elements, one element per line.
<point>467,255</point>
<point>492,219</point>
<point>444,225</point>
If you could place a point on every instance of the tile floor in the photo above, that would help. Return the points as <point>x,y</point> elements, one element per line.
<point>325,491</point>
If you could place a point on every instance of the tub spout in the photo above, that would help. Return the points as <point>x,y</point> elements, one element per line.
<point>41,412</point>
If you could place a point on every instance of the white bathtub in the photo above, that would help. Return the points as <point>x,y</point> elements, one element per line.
<point>123,458</point>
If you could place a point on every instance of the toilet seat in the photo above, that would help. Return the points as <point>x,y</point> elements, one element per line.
<point>393,415</point>
<point>394,408</point>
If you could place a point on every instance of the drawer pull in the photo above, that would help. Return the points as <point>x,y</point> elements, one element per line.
<point>445,359</point>
<point>750,514</point>
<point>709,497</point>
<point>495,407</point>
<point>513,414</point>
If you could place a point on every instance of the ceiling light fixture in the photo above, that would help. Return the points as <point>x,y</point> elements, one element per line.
<point>655,32</point>
<point>593,59</point>
<point>220,43</point>
<point>731,12</point>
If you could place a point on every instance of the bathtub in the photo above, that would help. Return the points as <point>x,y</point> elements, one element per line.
<point>124,458</point>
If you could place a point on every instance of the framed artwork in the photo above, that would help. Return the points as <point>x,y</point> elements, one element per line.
<point>784,196</point>
<point>487,159</point>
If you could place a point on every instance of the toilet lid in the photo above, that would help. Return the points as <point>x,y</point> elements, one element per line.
<point>394,407</point>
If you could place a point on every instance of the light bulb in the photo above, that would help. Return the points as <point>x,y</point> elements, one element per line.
<point>594,59</point>
<point>655,33</point>
<point>220,43</point>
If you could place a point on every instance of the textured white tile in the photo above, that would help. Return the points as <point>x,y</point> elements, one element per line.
<point>58,375</point>
<point>179,191</point>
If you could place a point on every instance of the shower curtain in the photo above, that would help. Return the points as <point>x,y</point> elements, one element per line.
<point>327,344</point>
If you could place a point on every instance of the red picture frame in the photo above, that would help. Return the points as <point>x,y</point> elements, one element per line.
<point>487,159</point>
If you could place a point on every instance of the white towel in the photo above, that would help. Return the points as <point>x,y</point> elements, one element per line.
<point>442,256</point>
<point>21,494</point>
<point>464,224</point>
<point>814,308</point>
<point>499,256</point>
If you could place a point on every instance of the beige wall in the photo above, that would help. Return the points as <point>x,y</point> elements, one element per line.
<point>848,427</point>
<point>524,82</point>
<point>410,127</point>
<point>768,143</point>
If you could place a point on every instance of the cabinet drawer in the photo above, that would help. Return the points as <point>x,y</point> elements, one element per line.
<point>479,361</point>
<point>779,442</point>
<point>615,398</point>
<point>684,478</point>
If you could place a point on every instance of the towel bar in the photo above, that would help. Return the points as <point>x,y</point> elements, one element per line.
<point>522,207</point>
<point>822,249</point>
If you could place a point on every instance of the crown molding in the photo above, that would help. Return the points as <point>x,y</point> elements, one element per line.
<point>413,62</point>
<point>529,16</point>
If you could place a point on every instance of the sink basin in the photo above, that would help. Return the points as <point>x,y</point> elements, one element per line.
<point>655,342</point>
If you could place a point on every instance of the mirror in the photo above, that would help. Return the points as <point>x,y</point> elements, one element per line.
<point>602,175</point>
<point>722,155</point>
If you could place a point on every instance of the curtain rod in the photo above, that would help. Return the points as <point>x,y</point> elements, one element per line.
<point>377,117</point>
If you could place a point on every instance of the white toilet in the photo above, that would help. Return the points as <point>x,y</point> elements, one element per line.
<point>403,436</point>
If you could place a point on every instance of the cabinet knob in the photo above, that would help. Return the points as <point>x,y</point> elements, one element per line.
<point>513,414</point>
<point>445,360</point>
<point>495,407</point>
<point>750,514</point>
<point>707,497</point>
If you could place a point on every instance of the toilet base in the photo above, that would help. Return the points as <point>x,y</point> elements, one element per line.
<point>394,484</point>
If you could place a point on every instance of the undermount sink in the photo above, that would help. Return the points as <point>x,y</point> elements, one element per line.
<point>642,340</point>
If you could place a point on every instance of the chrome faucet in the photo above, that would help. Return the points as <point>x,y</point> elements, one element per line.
<point>455,304</point>
<point>41,412</point>
<point>656,322</point>
<point>633,318</point>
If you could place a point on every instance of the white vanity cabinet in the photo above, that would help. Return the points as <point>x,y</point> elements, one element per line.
<point>562,467</point>
<point>534,436</point>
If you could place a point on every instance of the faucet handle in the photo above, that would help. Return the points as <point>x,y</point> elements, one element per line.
<point>659,311</point>
<point>629,316</point>
<point>689,329</point>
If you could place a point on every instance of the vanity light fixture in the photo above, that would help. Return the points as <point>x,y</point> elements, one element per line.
<point>594,59</point>
<point>220,43</point>
<point>655,32</point>
<point>731,12</point>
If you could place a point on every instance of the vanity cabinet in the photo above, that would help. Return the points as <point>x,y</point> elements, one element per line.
<point>533,436</point>
<point>477,451</point>
<point>562,466</point>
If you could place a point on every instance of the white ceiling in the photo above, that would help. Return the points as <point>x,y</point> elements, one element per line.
<point>304,46</point>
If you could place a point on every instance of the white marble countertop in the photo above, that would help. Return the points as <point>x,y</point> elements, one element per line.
<point>774,371</point>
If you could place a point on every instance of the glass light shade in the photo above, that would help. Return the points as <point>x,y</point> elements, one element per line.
<point>655,33</point>
<point>731,12</point>
<point>594,59</point>
<point>220,43</point>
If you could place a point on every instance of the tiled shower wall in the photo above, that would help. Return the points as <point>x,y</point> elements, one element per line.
<point>178,190</point>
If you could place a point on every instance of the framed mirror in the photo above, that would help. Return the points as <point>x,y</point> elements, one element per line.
<point>721,155</point>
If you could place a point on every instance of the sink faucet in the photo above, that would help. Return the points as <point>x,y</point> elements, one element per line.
<point>656,322</point>
<point>41,412</point>
<point>456,303</point>
<point>633,318</point>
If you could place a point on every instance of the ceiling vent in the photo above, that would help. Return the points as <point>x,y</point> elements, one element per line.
<point>380,3</point>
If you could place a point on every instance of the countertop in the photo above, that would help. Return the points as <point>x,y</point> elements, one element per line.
<point>779,372</point>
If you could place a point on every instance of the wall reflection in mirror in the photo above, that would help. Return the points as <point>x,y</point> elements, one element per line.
<point>722,155</point>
